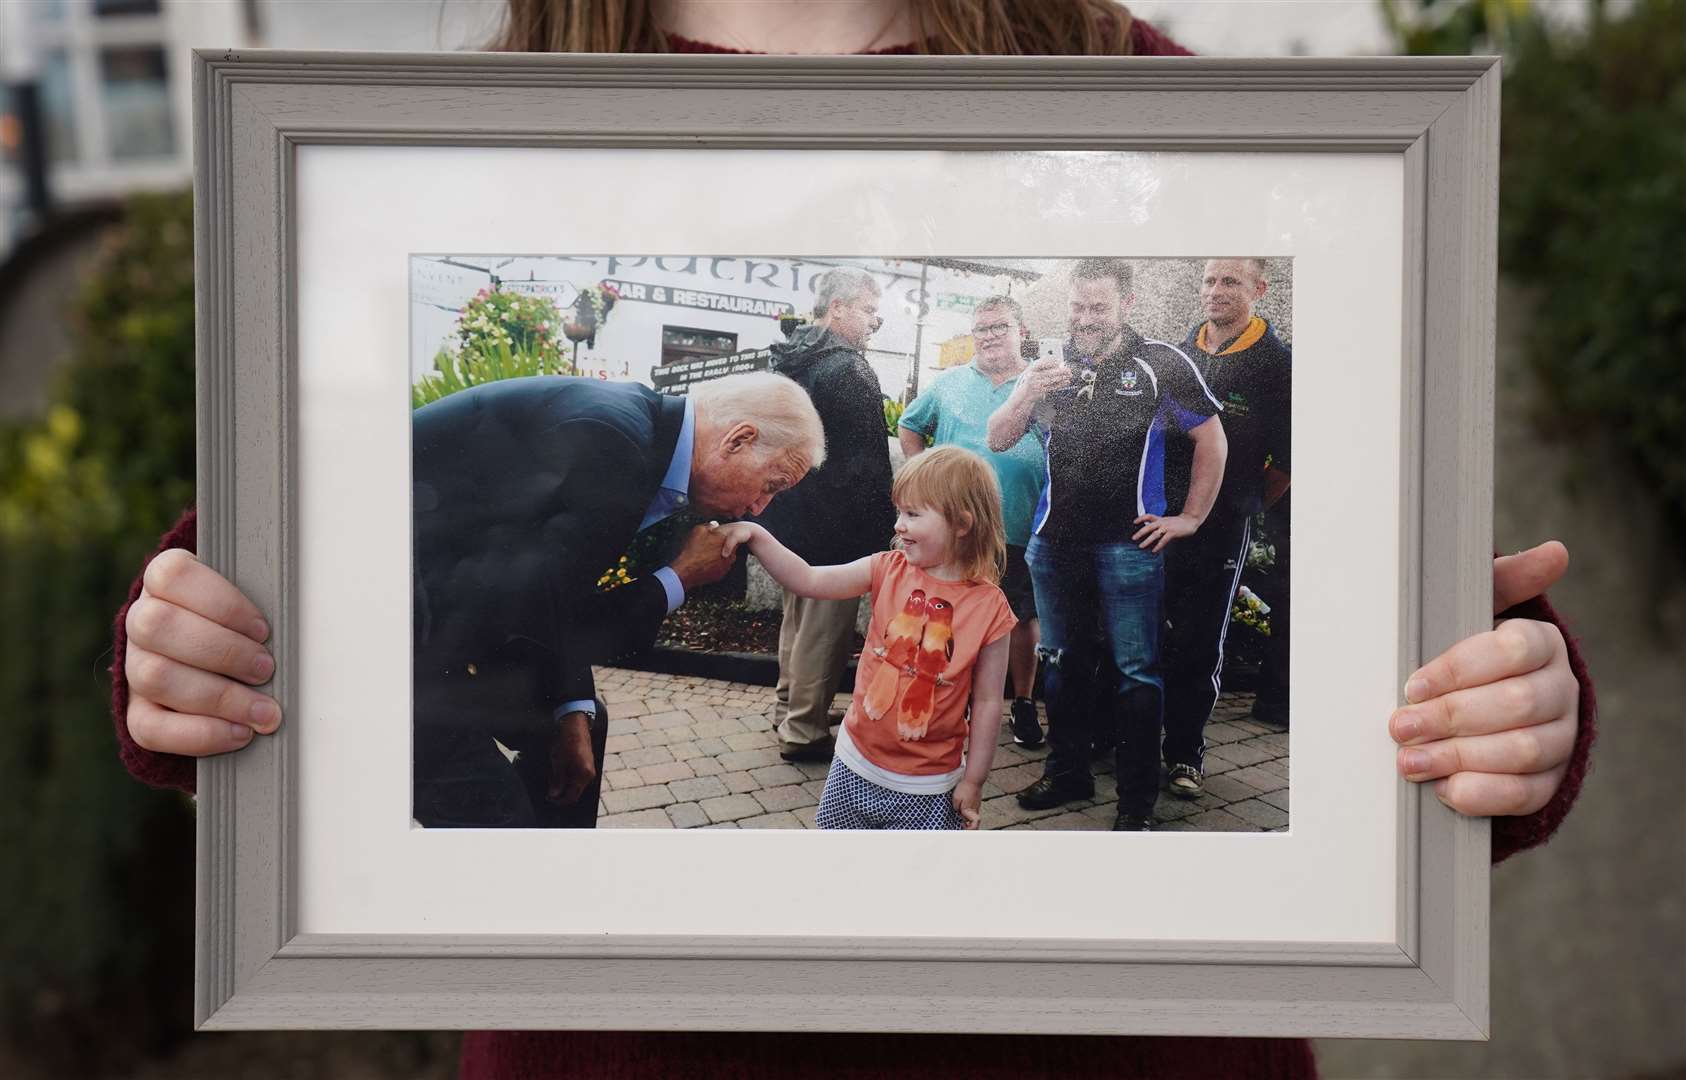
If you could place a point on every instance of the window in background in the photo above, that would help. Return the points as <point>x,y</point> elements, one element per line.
<point>58,109</point>
<point>103,8</point>
<point>135,94</point>
<point>688,343</point>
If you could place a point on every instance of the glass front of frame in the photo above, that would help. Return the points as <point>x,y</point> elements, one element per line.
<point>665,270</point>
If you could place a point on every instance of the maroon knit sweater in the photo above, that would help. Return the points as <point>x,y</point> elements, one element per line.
<point>547,1055</point>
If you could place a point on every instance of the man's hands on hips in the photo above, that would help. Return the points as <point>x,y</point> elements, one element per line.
<point>573,766</point>
<point>1155,532</point>
<point>700,561</point>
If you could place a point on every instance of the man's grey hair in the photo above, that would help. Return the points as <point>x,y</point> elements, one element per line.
<point>1002,302</point>
<point>844,283</point>
<point>780,410</point>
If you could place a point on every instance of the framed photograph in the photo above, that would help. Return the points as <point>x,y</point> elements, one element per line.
<point>492,348</point>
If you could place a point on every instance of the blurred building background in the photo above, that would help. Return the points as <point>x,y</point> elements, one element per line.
<point>96,459</point>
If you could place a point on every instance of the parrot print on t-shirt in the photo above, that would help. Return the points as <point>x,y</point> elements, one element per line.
<point>936,649</point>
<point>901,642</point>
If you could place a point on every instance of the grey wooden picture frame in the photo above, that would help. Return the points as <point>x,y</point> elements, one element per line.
<point>252,110</point>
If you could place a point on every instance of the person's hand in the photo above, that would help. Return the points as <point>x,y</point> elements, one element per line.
<point>733,535</point>
<point>195,651</point>
<point>700,561</point>
<point>572,764</point>
<point>968,797</point>
<point>1493,719</point>
<point>1155,532</point>
<point>1044,375</point>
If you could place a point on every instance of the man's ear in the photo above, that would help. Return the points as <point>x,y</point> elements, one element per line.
<point>741,436</point>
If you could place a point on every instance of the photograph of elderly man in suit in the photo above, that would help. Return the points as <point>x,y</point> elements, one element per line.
<point>525,492</point>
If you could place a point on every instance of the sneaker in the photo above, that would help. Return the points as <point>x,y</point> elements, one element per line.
<point>1052,791</point>
<point>814,751</point>
<point>1132,823</point>
<point>1185,781</point>
<point>1027,729</point>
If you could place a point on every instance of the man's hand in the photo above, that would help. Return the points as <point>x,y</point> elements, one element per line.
<point>1156,532</point>
<point>1492,720</point>
<point>1043,376</point>
<point>701,562</point>
<point>573,766</point>
<point>967,798</point>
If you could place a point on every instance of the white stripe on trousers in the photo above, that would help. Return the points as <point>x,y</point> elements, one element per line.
<point>1229,604</point>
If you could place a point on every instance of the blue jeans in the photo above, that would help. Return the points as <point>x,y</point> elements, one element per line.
<point>1088,595</point>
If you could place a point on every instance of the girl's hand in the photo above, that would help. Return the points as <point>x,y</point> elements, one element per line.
<point>967,796</point>
<point>1493,719</point>
<point>195,650</point>
<point>733,535</point>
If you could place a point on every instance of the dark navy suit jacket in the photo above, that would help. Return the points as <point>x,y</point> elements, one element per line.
<point>525,492</point>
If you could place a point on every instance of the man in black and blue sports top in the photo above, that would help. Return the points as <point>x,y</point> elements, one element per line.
<point>1100,530</point>
<point>1247,367</point>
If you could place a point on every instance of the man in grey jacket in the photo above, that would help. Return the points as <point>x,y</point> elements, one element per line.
<point>841,512</point>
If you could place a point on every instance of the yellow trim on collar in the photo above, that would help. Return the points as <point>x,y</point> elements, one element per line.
<point>1249,337</point>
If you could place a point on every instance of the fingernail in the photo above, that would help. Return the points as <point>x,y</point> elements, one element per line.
<point>1414,762</point>
<point>259,630</point>
<point>1406,727</point>
<point>266,716</point>
<point>240,733</point>
<point>263,666</point>
<point>1440,787</point>
<point>1416,689</point>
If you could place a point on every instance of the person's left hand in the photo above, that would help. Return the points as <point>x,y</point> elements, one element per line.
<point>968,799</point>
<point>1493,719</point>
<point>572,764</point>
<point>1159,531</point>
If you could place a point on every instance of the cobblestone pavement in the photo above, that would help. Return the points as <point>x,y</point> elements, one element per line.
<point>687,752</point>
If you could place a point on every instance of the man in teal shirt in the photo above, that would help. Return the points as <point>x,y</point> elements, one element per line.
<point>955,410</point>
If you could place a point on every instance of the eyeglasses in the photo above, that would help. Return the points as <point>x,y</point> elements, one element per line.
<point>993,330</point>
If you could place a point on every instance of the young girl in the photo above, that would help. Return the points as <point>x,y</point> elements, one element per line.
<point>906,756</point>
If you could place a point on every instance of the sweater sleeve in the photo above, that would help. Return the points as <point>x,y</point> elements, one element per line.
<point>1513,834</point>
<point>147,766</point>
<point>1146,41</point>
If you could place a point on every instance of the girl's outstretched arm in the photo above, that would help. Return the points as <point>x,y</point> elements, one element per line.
<point>790,570</point>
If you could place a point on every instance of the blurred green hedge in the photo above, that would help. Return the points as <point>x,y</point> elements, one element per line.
<point>1593,216</point>
<point>1592,211</point>
<point>96,933</point>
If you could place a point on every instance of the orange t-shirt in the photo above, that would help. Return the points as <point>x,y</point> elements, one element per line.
<point>914,679</point>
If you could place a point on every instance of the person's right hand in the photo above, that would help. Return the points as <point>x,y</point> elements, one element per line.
<point>733,534</point>
<point>700,562</point>
<point>195,651</point>
<point>1044,375</point>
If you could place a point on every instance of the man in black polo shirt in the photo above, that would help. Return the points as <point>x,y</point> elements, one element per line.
<point>1100,528</point>
<point>1248,369</point>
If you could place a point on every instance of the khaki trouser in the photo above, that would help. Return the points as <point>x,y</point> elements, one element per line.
<point>815,641</point>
